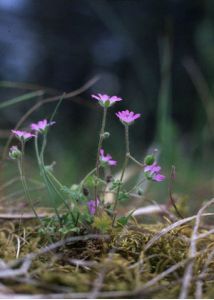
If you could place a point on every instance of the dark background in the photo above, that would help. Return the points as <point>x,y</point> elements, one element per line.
<point>156,54</point>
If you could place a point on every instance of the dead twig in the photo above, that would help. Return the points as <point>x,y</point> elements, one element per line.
<point>187,278</point>
<point>171,227</point>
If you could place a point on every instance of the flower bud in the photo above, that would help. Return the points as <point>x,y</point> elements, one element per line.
<point>149,160</point>
<point>15,153</point>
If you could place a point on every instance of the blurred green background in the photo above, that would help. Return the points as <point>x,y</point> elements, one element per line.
<point>157,55</point>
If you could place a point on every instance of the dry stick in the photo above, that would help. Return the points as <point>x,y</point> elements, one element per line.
<point>60,243</point>
<point>112,294</point>
<point>171,227</point>
<point>82,89</point>
<point>203,235</point>
<point>199,282</point>
<point>8,272</point>
<point>192,252</point>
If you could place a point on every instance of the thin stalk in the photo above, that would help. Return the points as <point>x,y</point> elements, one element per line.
<point>126,160</point>
<point>44,143</point>
<point>41,167</point>
<point>136,161</point>
<point>24,183</point>
<point>101,137</point>
<point>53,181</point>
<point>137,185</point>
<point>85,178</point>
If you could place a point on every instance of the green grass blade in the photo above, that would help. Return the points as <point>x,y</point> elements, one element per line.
<point>21,98</point>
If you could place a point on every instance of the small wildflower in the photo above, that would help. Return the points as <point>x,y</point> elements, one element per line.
<point>15,153</point>
<point>22,135</point>
<point>127,117</point>
<point>41,125</point>
<point>106,100</point>
<point>107,159</point>
<point>154,168</point>
<point>158,177</point>
<point>153,172</point>
<point>92,206</point>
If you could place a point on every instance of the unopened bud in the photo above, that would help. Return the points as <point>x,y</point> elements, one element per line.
<point>149,159</point>
<point>15,153</point>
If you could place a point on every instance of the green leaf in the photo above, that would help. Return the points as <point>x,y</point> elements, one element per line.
<point>93,180</point>
<point>115,184</point>
<point>123,196</point>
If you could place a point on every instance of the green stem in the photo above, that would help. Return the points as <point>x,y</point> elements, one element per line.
<point>136,161</point>
<point>42,170</point>
<point>126,160</point>
<point>136,185</point>
<point>101,137</point>
<point>85,178</point>
<point>24,183</point>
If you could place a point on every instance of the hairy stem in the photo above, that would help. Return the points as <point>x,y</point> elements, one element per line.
<point>101,137</point>
<point>24,183</point>
<point>85,178</point>
<point>126,160</point>
<point>42,170</point>
<point>136,161</point>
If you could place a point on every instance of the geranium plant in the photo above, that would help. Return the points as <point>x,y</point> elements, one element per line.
<point>84,205</point>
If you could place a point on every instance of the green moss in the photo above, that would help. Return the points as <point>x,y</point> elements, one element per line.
<point>121,260</point>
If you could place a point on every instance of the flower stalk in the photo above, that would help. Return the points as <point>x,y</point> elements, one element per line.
<point>23,180</point>
<point>101,138</point>
<point>126,160</point>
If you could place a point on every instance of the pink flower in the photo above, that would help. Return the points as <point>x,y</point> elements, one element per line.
<point>127,117</point>
<point>22,135</point>
<point>154,168</point>
<point>153,172</point>
<point>158,177</point>
<point>92,206</point>
<point>41,125</point>
<point>107,159</point>
<point>105,100</point>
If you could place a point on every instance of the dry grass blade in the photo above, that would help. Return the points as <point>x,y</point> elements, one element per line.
<point>187,278</point>
<point>199,282</point>
<point>171,227</point>
<point>75,93</point>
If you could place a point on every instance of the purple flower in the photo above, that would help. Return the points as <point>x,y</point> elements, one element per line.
<point>153,172</point>
<point>158,177</point>
<point>106,100</point>
<point>22,135</point>
<point>107,159</point>
<point>41,125</point>
<point>92,206</point>
<point>154,168</point>
<point>127,117</point>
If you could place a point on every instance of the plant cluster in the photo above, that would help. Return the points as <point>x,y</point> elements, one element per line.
<point>84,204</point>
